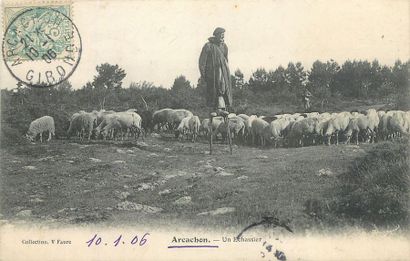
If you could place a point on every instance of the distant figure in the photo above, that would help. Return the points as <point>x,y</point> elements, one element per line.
<point>306,99</point>
<point>214,69</point>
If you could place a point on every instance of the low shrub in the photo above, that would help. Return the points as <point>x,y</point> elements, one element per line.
<point>10,136</point>
<point>376,188</point>
<point>373,192</point>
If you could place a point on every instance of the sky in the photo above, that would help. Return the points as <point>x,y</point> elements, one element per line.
<point>156,41</point>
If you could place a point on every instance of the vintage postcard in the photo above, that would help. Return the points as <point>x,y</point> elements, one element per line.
<point>205,130</point>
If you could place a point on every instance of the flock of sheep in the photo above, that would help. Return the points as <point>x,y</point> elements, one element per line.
<point>108,124</point>
<point>297,129</point>
<point>301,129</point>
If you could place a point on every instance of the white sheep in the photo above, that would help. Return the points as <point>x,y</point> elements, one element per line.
<point>130,123</point>
<point>336,125</point>
<point>161,117</point>
<point>302,129</point>
<point>258,130</point>
<point>275,130</point>
<point>236,128</point>
<point>285,115</point>
<point>248,128</point>
<point>398,124</point>
<point>244,117</point>
<point>365,123</point>
<point>312,114</point>
<point>189,125</point>
<point>322,124</point>
<point>355,114</point>
<point>39,126</point>
<point>297,118</point>
<point>380,114</point>
<point>100,114</point>
<point>207,127</point>
<point>104,121</point>
<point>373,123</point>
<point>75,125</point>
<point>176,116</point>
<point>75,115</point>
<point>230,115</point>
<point>296,114</point>
<point>125,123</point>
<point>245,120</point>
<point>87,122</point>
<point>183,127</point>
<point>194,125</point>
<point>111,128</point>
<point>82,123</point>
<point>216,121</point>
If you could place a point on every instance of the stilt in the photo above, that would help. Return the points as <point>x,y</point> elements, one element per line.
<point>210,133</point>
<point>228,136</point>
<point>224,115</point>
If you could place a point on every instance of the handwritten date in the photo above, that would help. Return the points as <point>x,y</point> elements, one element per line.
<point>96,240</point>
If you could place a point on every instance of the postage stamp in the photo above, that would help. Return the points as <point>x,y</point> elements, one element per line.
<point>41,44</point>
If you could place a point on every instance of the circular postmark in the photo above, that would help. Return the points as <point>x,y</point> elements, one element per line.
<point>41,47</point>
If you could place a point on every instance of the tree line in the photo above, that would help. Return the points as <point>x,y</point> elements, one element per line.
<point>328,80</point>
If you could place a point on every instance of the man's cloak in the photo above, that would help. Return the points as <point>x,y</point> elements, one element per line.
<point>214,69</point>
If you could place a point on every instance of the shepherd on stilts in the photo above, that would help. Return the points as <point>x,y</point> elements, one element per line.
<point>215,74</point>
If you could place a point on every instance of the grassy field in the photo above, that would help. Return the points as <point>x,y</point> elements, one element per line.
<point>165,182</point>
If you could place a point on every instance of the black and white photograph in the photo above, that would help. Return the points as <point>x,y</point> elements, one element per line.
<point>205,130</point>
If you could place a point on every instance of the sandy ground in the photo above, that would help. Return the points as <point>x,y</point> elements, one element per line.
<point>164,182</point>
